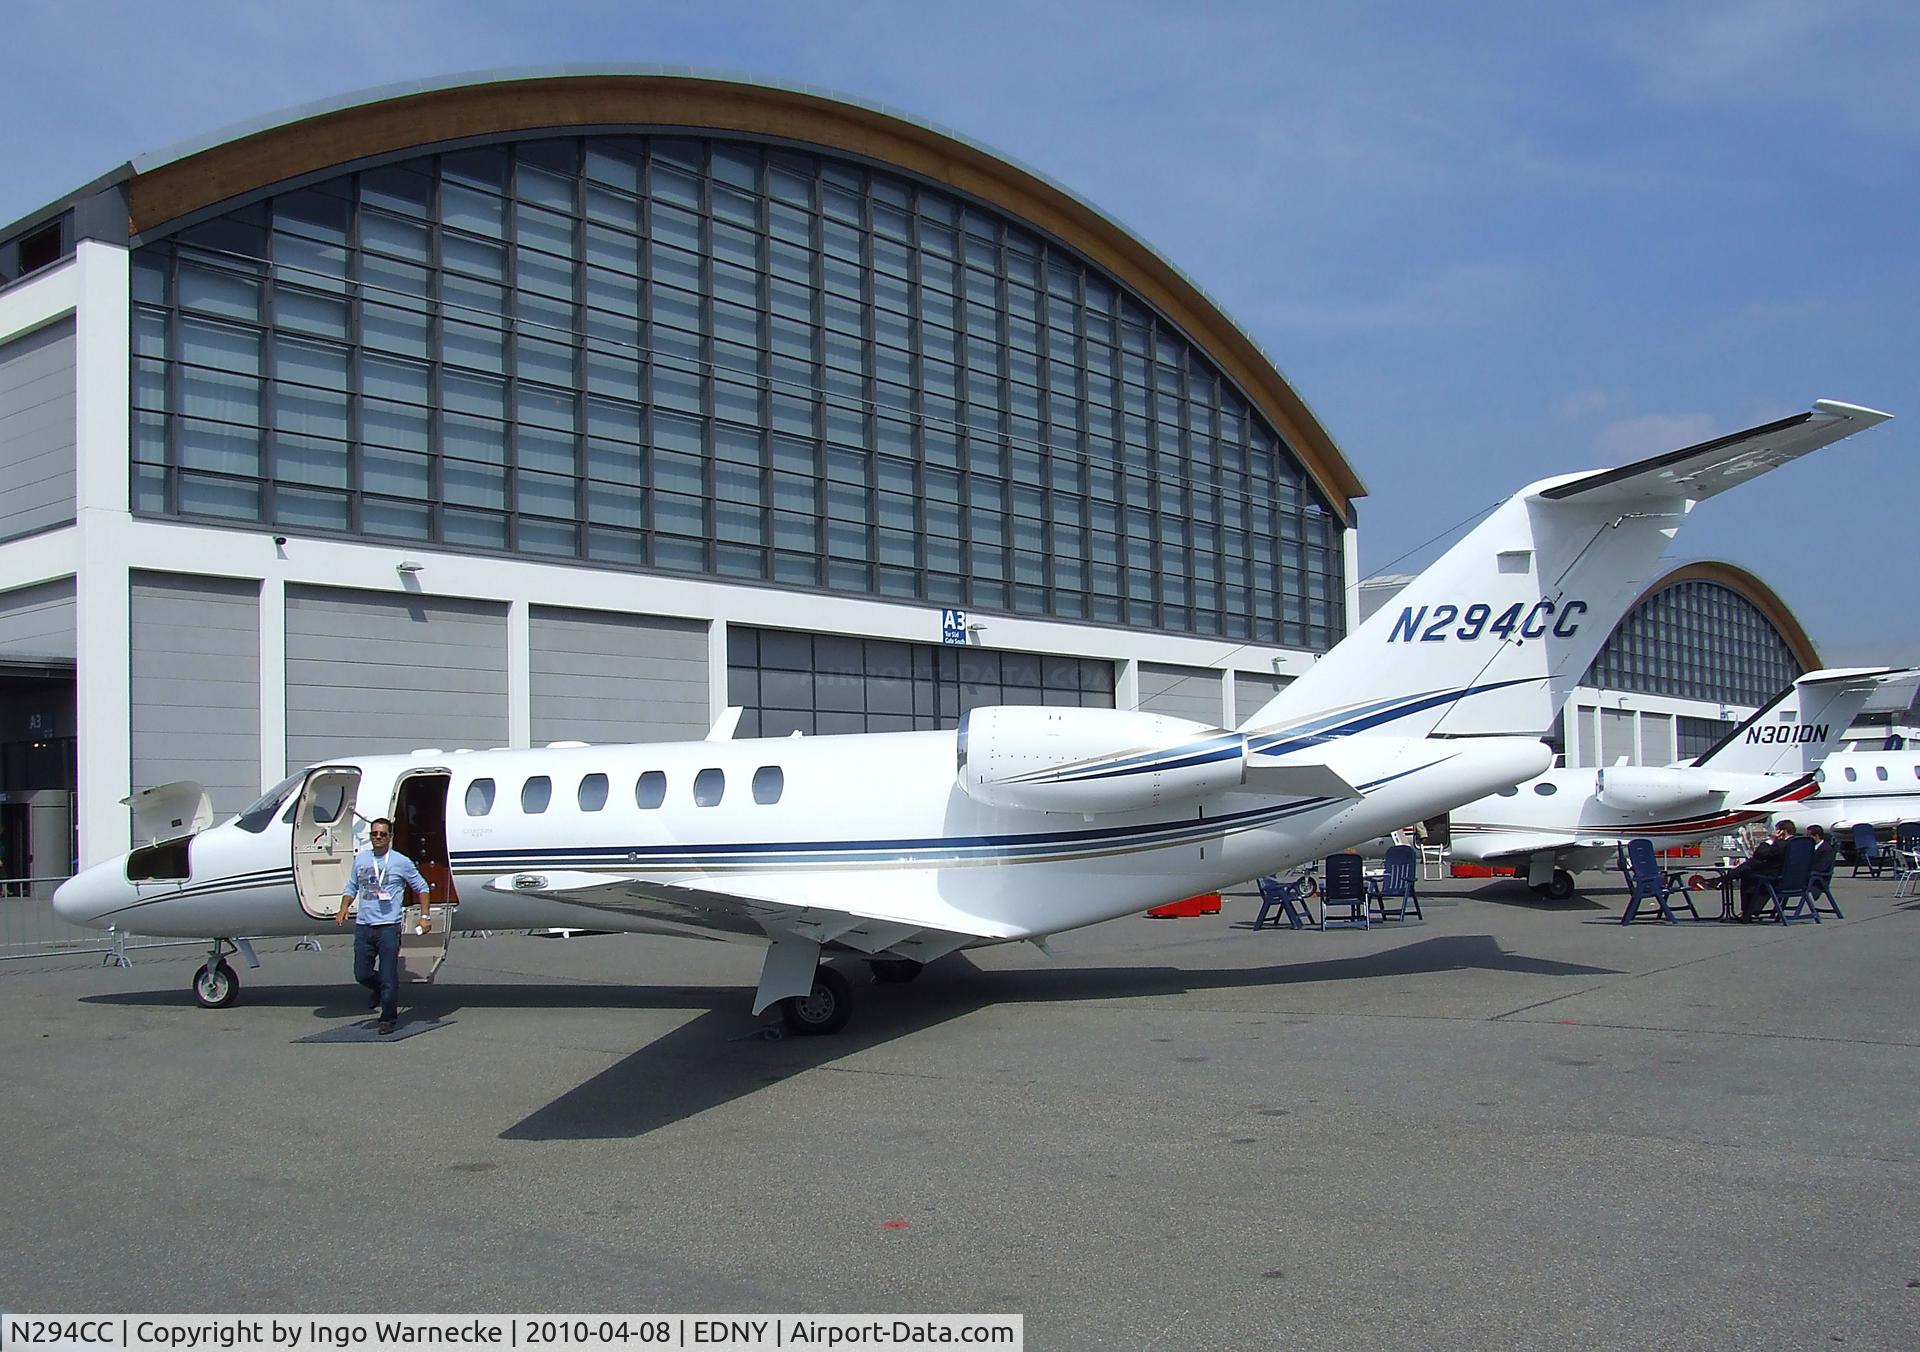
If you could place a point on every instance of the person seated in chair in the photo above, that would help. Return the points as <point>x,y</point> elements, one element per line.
<point>1822,852</point>
<point>1764,863</point>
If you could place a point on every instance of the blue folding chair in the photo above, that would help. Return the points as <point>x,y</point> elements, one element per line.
<point>1288,898</point>
<point>1647,882</point>
<point>1866,850</point>
<point>1795,884</point>
<point>1395,890</point>
<point>1343,884</point>
<point>1820,881</point>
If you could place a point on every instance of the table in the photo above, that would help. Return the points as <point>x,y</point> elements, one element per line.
<point>1724,877</point>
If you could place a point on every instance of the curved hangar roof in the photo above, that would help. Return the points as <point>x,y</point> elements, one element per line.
<point>1748,588</point>
<point>191,180</point>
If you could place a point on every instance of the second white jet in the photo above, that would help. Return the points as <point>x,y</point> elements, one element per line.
<point>1571,819</point>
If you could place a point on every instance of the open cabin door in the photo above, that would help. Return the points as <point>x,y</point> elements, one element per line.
<point>323,844</point>
<point>420,833</point>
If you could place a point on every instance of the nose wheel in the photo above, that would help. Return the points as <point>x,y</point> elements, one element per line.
<point>216,985</point>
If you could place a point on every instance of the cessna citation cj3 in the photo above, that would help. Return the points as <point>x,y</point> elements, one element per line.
<point>897,848</point>
<point>1574,819</point>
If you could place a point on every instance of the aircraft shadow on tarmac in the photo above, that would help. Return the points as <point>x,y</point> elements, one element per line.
<point>713,1059</point>
<point>717,1056</point>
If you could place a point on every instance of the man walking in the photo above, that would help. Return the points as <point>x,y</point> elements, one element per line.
<point>381,876</point>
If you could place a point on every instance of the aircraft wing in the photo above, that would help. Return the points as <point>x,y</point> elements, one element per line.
<point>703,907</point>
<point>1712,467</point>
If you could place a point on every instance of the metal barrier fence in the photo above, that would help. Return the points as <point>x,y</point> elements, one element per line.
<point>30,929</point>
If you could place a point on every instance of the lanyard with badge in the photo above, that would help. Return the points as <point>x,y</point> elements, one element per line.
<point>379,879</point>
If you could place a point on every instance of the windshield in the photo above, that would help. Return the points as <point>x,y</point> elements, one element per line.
<point>255,818</point>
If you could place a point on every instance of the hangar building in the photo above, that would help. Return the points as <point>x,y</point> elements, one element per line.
<point>580,406</point>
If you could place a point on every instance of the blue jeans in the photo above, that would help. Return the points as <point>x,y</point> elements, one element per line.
<point>383,942</point>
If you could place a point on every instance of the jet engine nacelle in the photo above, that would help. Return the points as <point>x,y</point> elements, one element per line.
<point>1650,788</point>
<point>1092,760</point>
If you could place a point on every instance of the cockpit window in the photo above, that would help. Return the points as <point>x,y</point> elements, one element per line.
<point>255,818</point>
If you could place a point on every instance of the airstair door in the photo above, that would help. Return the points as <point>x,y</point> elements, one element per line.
<point>420,833</point>
<point>323,843</point>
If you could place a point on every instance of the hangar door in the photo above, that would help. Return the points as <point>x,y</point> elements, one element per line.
<point>1182,692</point>
<point>369,672</point>
<point>195,663</point>
<point>599,677</point>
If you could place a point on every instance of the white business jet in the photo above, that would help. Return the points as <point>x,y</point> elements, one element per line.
<point>897,848</point>
<point>1572,819</point>
<point>1878,786</point>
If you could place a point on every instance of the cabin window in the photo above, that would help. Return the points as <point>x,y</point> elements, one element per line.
<point>768,783</point>
<point>651,789</point>
<point>330,801</point>
<point>1509,792</point>
<point>1546,789</point>
<point>1880,772</point>
<point>480,798</point>
<point>1819,776</point>
<point>1851,776</point>
<point>1916,772</point>
<point>708,786</point>
<point>535,794</point>
<point>593,793</point>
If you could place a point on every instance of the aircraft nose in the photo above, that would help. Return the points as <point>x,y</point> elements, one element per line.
<point>84,898</point>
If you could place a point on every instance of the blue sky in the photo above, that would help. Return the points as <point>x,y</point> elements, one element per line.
<point>1486,242</point>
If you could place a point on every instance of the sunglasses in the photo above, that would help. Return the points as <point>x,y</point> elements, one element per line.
<point>379,835</point>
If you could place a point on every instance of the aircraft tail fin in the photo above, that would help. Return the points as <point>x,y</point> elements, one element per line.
<point>1795,730</point>
<point>1491,639</point>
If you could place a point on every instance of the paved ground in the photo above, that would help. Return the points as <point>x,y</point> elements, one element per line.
<point>1513,1124</point>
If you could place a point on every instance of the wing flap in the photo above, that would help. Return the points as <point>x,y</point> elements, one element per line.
<point>704,907</point>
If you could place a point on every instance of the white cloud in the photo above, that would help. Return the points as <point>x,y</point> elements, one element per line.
<point>1852,56</point>
<point>1628,439</point>
<point>1591,402</point>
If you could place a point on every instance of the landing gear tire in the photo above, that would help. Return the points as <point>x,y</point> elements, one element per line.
<point>215,986</point>
<point>1559,887</point>
<point>894,971</point>
<point>824,1011</point>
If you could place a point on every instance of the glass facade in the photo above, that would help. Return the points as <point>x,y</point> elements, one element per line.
<point>823,683</point>
<point>716,356</point>
<point>1696,640</point>
<point>1697,736</point>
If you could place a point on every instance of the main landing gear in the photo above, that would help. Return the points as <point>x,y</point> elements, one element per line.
<point>824,1010</point>
<point>827,1007</point>
<point>1557,888</point>
<point>216,985</point>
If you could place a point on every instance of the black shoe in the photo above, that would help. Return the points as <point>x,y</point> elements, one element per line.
<point>386,1026</point>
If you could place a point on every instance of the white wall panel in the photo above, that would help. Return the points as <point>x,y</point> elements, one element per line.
<point>37,623</point>
<point>37,430</point>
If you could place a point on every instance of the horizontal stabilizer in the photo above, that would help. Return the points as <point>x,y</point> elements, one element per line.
<point>1712,467</point>
<point>1299,781</point>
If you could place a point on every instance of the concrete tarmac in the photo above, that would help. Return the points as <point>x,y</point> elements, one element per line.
<point>1512,1124</point>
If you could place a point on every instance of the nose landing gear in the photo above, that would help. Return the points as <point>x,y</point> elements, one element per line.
<point>216,985</point>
